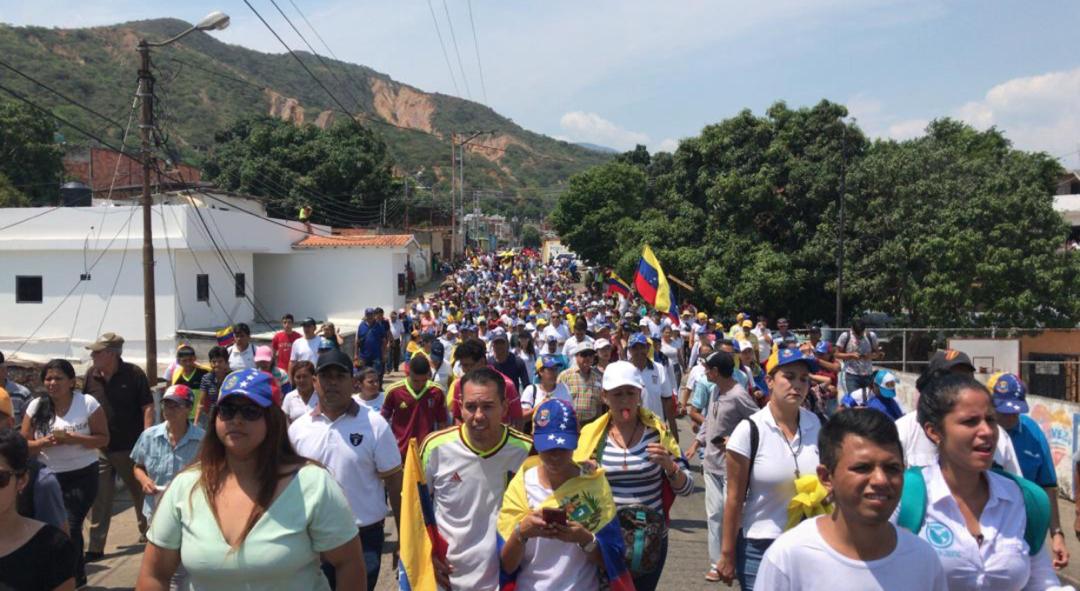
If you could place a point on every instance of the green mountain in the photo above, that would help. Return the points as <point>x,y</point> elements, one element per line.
<point>204,85</point>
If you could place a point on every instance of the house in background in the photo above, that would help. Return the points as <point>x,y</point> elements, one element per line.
<point>68,274</point>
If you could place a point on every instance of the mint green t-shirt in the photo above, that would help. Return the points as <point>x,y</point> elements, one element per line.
<point>280,553</point>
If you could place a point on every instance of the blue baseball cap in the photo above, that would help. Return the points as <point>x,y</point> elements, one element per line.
<point>886,382</point>
<point>550,362</point>
<point>1009,393</point>
<point>782,357</point>
<point>250,383</point>
<point>823,348</point>
<point>438,351</point>
<point>638,339</point>
<point>555,426</point>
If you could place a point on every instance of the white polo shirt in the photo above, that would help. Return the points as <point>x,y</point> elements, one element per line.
<point>1002,560</point>
<point>657,387</point>
<point>920,451</point>
<point>772,484</point>
<point>294,405</point>
<point>359,450</point>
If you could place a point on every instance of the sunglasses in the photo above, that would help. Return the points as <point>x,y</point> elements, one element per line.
<point>248,412</point>
<point>6,476</point>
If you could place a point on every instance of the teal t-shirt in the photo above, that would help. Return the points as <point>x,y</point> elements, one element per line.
<point>281,553</point>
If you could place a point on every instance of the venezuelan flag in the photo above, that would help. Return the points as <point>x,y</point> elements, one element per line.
<point>420,538</point>
<point>616,285</point>
<point>653,285</point>
<point>225,336</point>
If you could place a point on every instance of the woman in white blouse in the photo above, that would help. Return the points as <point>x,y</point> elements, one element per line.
<point>975,518</point>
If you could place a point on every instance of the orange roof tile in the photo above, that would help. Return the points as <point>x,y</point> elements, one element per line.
<point>356,241</point>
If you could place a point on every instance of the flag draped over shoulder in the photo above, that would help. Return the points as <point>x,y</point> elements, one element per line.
<point>651,283</point>
<point>420,539</point>
<point>587,500</point>
<point>616,285</point>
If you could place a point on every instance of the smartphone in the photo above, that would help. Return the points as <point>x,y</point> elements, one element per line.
<point>554,516</point>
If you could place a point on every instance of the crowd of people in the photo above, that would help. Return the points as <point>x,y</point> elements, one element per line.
<point>543,417</point>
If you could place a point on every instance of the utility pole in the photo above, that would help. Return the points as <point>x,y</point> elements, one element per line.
<point>460,143</point>
<point>453,208</point>
<point>146,129</point>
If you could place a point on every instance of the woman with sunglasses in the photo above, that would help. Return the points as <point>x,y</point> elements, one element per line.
<point>33,555</point>
<point>252,513</point>
<point>66,428</point>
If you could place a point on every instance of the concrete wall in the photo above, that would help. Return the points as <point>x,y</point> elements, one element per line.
<point>224,307</point>
<point>1059,420</point>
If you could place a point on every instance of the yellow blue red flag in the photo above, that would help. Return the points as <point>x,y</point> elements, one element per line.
<point>653,286</point>
<point>420,539</point>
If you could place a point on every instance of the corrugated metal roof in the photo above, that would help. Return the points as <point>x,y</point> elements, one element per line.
<point>356,241</point>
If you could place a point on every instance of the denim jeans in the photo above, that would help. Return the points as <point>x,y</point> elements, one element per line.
<point>79,488</point>
<point>715,494</point>
<point>854,382</point>
<point>371,538</point>
<point>648,582</point>
<point>748,553</point>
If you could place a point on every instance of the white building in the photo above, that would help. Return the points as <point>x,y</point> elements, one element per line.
<point>69,274</point>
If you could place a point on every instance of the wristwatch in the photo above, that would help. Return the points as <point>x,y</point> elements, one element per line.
<point>1055,531</point>
<point>589,546</point>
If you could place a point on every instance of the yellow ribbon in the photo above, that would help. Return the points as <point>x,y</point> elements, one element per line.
<point>809,500</point>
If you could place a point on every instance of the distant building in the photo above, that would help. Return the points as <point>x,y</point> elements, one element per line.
<point>1067,204</point>
<point>108,172</point>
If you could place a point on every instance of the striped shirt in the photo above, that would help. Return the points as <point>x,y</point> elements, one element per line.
<point>640,480</point>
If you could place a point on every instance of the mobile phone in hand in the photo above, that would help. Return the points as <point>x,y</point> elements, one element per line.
<point>554,516</point>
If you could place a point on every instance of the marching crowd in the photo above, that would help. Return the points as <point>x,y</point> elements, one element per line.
<point>533,444</point>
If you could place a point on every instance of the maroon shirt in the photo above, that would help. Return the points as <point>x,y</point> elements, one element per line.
<point>414,416</point>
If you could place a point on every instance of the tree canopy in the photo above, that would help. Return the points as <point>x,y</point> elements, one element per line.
<point>953,227</point>
<point>31,165</point>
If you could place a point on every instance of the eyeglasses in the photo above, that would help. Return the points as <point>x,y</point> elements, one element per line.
<point>248,412</point>
<point>6,476</point>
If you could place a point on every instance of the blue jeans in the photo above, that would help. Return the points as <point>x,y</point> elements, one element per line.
<point>855,382</point>
<point>748,553</point>
<point>371,538</point>
<point>79,489</point>
<point>715,494</point>
<point>648,582</point>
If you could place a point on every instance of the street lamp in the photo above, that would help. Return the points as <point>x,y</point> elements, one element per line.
<point>215,21</point>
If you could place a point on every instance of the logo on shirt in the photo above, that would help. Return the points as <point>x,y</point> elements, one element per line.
<point>939,535</point>
<point>455,478</point>
<point>356,438</point>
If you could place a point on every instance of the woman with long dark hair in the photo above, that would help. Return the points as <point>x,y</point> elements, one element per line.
<point>252,513</point>
<point>65,429</point>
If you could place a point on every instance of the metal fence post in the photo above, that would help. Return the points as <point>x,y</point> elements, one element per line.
<point>903,350</point>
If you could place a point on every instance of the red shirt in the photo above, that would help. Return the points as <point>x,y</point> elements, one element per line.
<point>282,344</point>
<point>410,415</point>
<point>513,399</point>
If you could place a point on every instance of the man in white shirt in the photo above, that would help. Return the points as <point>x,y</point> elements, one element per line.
<point>579,337</point>
<point>358,448</point>
<point>557,329</point>
<point>658,395</point>
<point>306,348</point>
<point>856,547</point>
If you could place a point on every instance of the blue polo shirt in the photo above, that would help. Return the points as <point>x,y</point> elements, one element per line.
<point>162,461</point>
<point>371,337</point>
<point>889,406</point>
<point>1033,452</point>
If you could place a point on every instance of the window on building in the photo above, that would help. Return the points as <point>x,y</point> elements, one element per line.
<point>240,284</point>
<point>28,289</point>
<point>202,288</point>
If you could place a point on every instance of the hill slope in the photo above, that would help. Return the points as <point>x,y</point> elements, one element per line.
<point>204,85</point>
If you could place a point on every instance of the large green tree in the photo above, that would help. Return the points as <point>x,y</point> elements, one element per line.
<point>30,158</point>
<point>599,205</point>
<point>344,171</point>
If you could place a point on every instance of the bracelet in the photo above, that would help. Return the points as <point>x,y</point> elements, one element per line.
<point>521,536</point>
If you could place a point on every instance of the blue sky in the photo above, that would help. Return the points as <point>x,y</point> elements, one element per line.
<point>618,73</point>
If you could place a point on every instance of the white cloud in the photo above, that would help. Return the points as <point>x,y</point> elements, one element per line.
<point>872,117</point>
<point>668,145</point>
<point>580,126</point>
<point>907,129</point>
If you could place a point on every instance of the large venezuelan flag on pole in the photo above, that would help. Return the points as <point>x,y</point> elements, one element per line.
<point>653,286</point>
<point>420,539</point>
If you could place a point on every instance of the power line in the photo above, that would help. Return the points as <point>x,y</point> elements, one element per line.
<point>111,121</point>
<point>344,65</point>
<point>218,74</point>
<point>442,44</point>
<point>476,45</point>
<point>27,219</point>
<point>453,38</point>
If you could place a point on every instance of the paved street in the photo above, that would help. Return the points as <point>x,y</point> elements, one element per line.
<point>685,570</point>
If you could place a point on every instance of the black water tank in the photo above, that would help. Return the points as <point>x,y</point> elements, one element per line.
<point>75,194</point>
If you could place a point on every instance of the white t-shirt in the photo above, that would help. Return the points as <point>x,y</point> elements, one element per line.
<point>549,564</point>
<point>358,449</point>
<point>534,395</point>
<point>696,373</point>
<point>657,387</point>
<point>772,484</point>
<point>305,349</point>
<point>561,333</point>
<point>244,359</point>
<point>442,375</point>
<point>920,451</point>
<point>801,560</point>
<point>1001,562</point>
<point>294,406</point>
<point>572,342</point>
<point>68,457</point>
<point>374,404</point>
<point>530,364</point>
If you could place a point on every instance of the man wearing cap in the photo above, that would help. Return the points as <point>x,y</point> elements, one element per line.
<point>658,395</point>
<point>370,343</point>
<point>1032,450</point>
<point>441,372</point>
<point>415,406</point>
<point>282,343</point>
<point>41,498</point>
<point>124,392</point>
<point>585,383</point>
<point>20,394</point>
<point>306,348</point>
<point>358,447</point>
<point>165,449</point>
<point>467,469</point>
<point>880,396</point>
<point>506,363</point>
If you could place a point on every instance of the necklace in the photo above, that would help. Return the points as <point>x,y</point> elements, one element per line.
<point>795,451</point>
<point>624,444</point>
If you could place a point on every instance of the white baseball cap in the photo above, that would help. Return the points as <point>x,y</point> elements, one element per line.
<point>601,343</point>
<point>621,373</point>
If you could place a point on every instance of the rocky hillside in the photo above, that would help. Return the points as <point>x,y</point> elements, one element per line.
<point>204,85</point>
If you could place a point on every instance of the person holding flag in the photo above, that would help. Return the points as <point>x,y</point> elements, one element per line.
<point>557,525</point>
<point>453,488</point>
<point>652,285</point>
<point>616,286</point>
